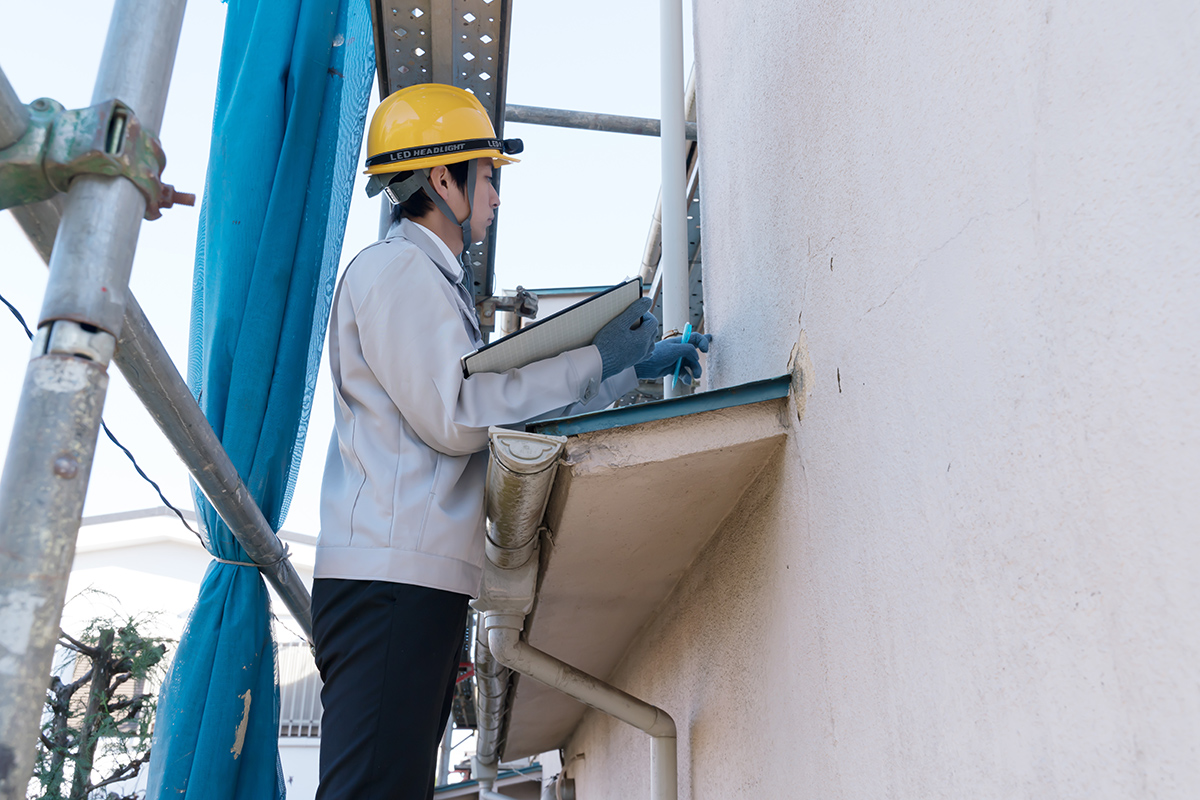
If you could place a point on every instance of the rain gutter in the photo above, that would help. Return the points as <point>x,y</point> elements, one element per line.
<point>757,391</point>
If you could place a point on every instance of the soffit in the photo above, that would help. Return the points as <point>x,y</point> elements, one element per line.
<point>630,510</point>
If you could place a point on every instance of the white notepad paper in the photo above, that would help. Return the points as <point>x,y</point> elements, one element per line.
<point>565,330</point>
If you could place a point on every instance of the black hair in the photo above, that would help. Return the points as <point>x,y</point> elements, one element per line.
<point>419,204</point>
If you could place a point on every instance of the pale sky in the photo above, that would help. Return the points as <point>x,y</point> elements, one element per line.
<point>575,212</point>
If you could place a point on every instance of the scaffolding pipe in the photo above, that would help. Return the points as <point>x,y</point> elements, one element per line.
<point>151,374</point>
<point>588,121</point>
<point>675,307</point>
<point>15,119</point>
<point>148,369</point>
<point>58,417</point>
<point>39,221</point>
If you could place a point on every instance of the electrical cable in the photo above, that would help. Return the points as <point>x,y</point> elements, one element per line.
<point>113,438</point>
<point>149,480</point>
<point>17,314</point>
<point>301,637</point>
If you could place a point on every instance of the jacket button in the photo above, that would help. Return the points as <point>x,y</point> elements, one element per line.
<point>590,391</point>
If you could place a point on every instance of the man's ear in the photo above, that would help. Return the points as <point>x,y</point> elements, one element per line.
<point>439,179</point>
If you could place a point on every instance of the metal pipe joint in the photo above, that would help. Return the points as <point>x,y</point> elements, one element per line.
<point>504,642</point>
<point>105,139</point>
<point>65,337</point>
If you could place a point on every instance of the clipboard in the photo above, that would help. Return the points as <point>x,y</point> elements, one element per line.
<point>573,327</point>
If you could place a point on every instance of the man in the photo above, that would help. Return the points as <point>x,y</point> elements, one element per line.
<point>402,507</point>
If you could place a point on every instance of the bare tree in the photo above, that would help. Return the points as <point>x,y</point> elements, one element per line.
<point>109,733</point>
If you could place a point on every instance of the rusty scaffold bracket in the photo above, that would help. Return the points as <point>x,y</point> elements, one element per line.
<point>105,139</point>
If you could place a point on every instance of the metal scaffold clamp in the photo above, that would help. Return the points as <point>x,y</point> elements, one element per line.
<point>524,304</point>
<point>105,139</point>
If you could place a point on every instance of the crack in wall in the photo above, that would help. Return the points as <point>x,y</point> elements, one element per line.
<point>925,258</point>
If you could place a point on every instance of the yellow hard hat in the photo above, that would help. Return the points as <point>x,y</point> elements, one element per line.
<point>428,124</point>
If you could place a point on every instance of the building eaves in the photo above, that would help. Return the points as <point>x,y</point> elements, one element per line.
<point>638,494</point>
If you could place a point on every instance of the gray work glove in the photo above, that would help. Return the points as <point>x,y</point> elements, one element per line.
<point>627,339</point>
<point>668,352</point>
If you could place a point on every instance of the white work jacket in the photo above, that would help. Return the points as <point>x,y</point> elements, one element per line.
<point>403,493</point>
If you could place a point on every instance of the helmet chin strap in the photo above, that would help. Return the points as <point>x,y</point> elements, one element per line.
<point>422,178</point>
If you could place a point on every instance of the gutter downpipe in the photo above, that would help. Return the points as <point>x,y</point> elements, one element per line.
<point>504,632</point>
<point>674,178</point>
<point>652,253</point>
<point>443,773</point>
<point>491,687</point>
<point>520,476</point>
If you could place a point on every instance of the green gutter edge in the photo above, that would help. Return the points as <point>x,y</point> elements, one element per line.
<point>740,395</point>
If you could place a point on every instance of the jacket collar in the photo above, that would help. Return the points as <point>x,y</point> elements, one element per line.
<point>441,256</point>
<point>436,250</point>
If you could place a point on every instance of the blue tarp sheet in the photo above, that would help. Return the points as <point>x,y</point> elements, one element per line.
<point>292,96</point>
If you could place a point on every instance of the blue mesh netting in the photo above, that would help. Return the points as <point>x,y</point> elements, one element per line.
<point>292,96</point>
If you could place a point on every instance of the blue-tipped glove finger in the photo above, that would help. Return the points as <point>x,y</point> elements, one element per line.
<point>661,362</point>
<point>628,339</point>
<point>698,340</point>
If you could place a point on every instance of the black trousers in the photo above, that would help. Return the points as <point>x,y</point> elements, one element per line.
<point>388,655</point>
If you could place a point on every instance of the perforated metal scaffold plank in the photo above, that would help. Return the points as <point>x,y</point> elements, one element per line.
<point>459,42</point>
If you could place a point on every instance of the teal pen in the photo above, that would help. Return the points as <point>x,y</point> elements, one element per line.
<point>687,334</point>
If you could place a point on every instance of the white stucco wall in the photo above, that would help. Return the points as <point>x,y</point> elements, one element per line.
<point>974,569</point>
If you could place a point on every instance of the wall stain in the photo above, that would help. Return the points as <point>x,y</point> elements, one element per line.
<point>8,760</point>
<point>801,368</point>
